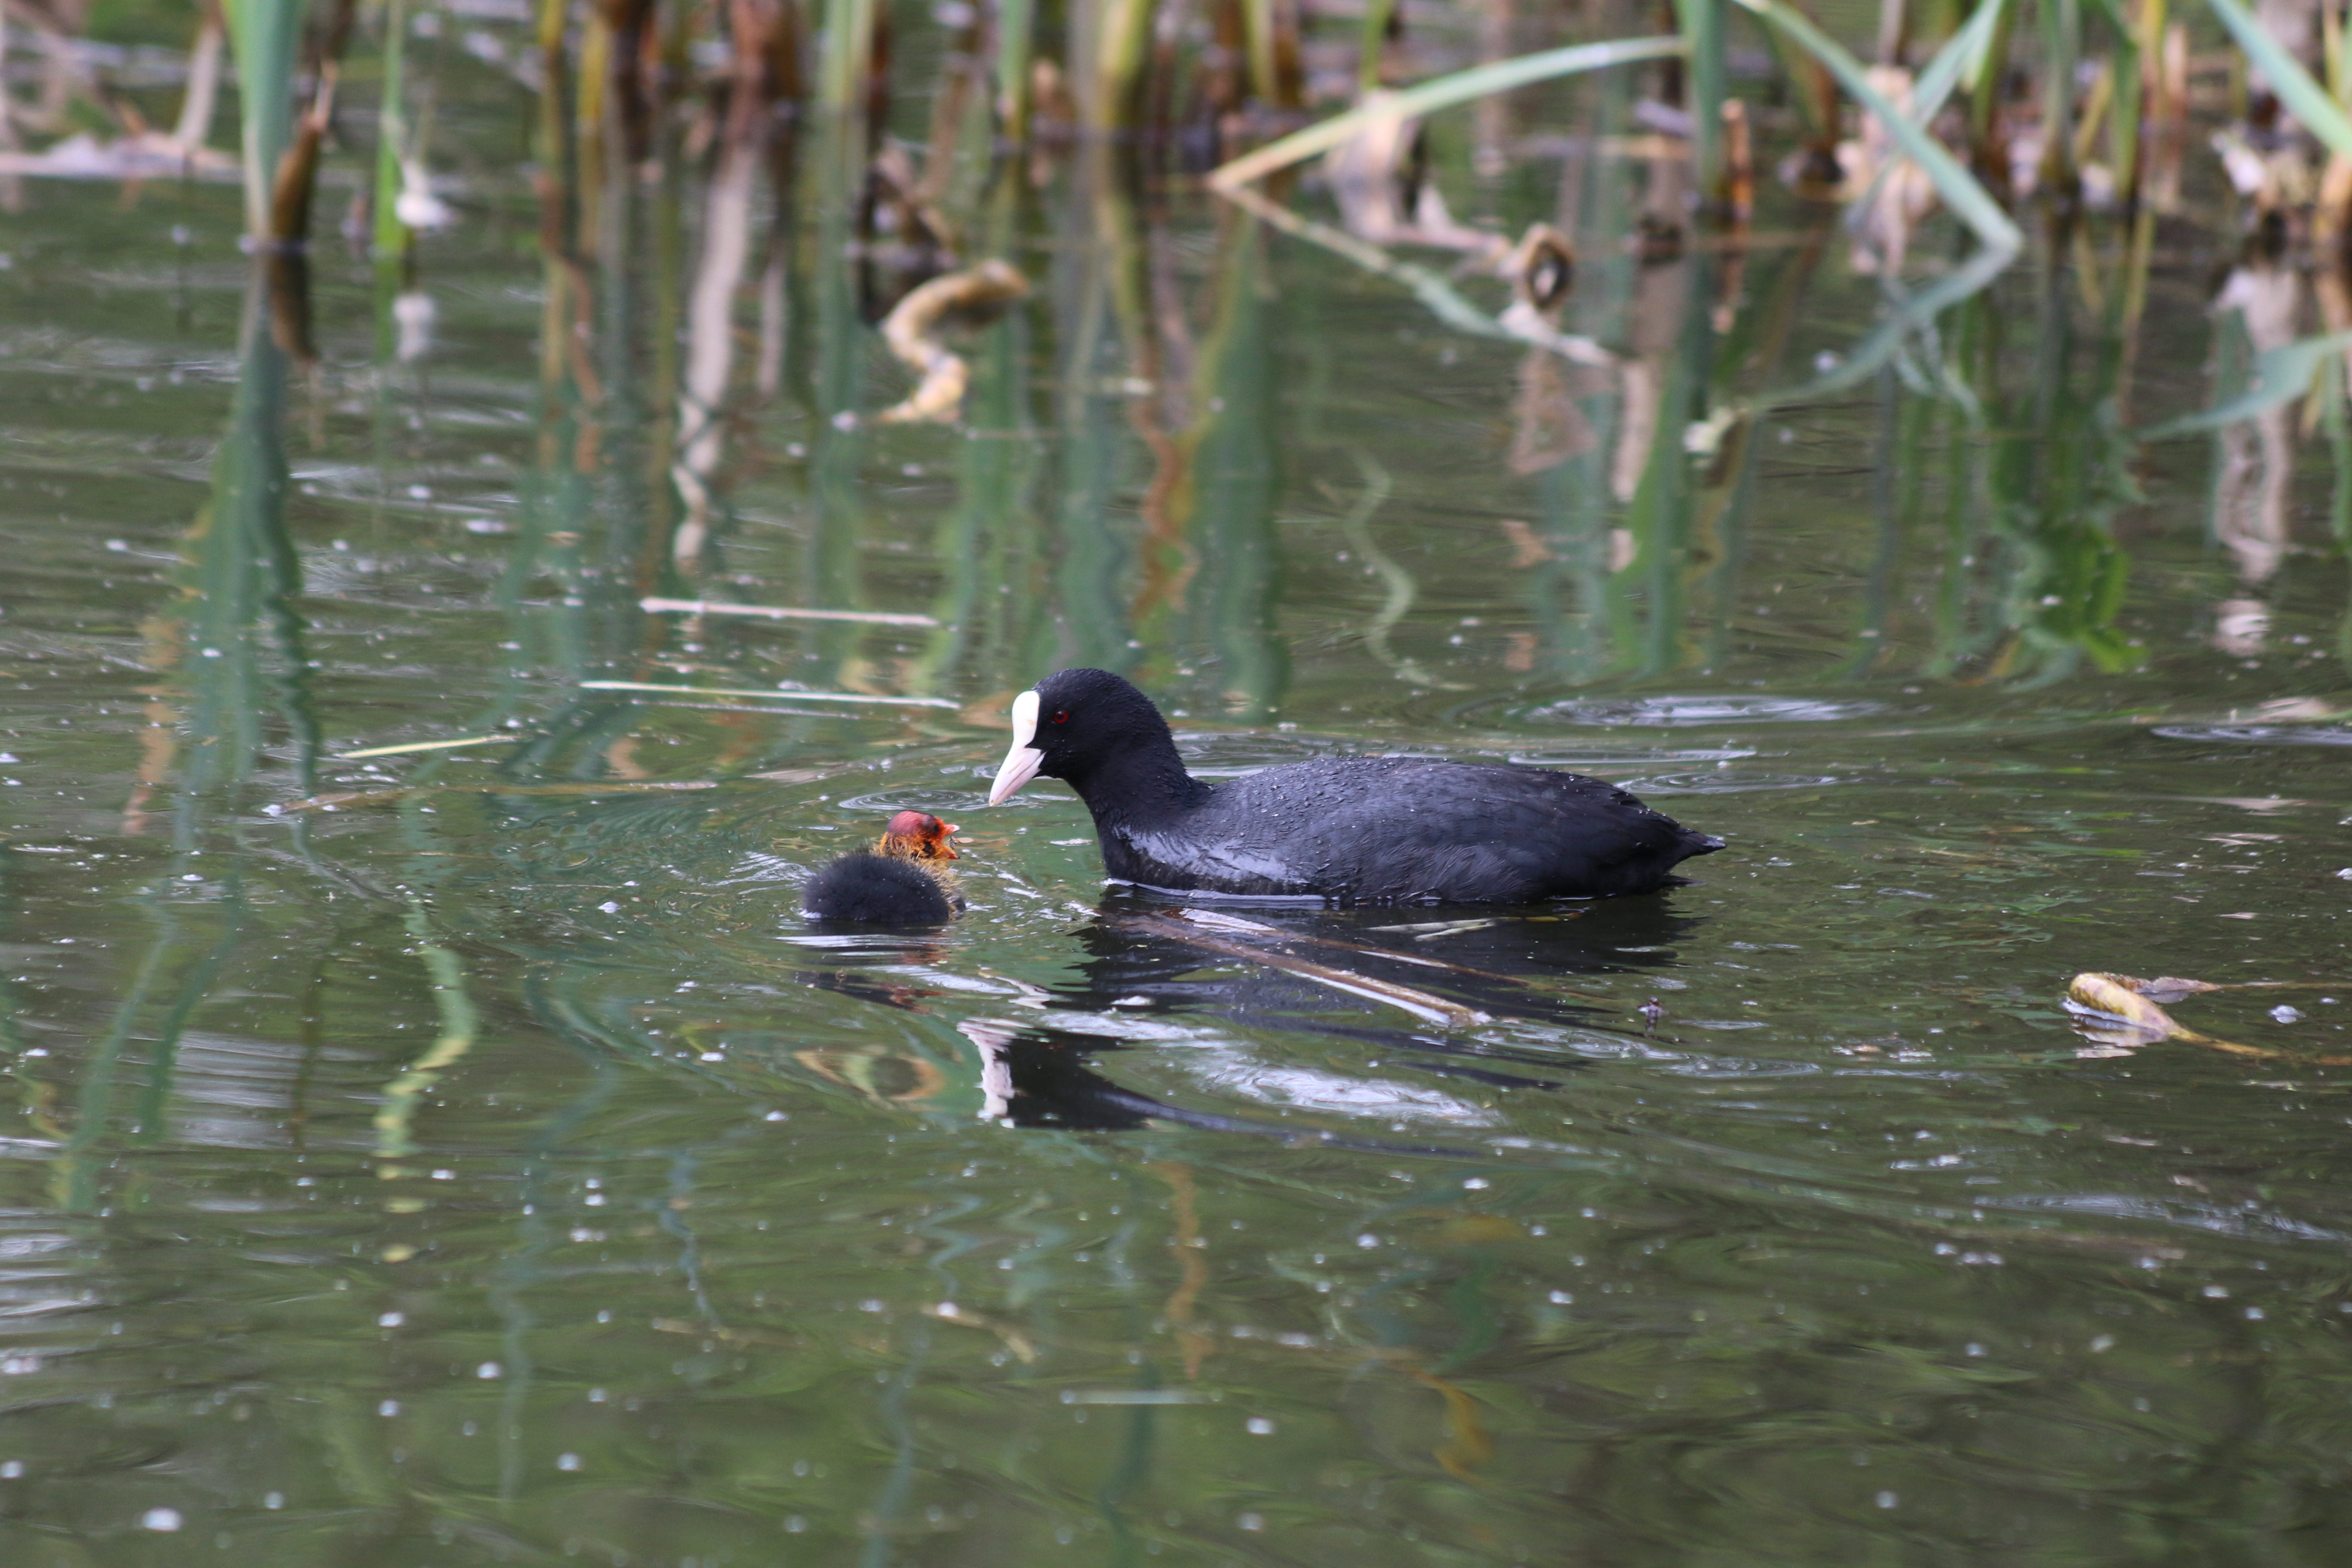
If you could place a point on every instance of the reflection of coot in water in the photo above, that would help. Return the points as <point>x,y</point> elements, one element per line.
<point>902,881</point>
<point>1370,830</point>
<point>1046,1075</point>
<point>1510,966</point>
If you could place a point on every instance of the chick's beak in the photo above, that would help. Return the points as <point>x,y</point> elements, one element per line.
<point>1021,762</point>
<point>947,830</point>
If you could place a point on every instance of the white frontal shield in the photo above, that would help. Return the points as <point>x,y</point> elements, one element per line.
<point>1021,762</point>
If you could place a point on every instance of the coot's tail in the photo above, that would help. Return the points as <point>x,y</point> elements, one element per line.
<point>876,890</point>
<point>1688,845</point>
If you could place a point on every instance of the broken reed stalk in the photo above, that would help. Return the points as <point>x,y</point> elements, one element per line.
<point>298,168</point>
<point>197,104</point>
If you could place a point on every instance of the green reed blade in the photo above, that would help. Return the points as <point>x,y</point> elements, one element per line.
<point>391,234</point>
<point>1962,58</point>
<point>1257,27</point>
<point>1017,20</point>
<point>2062,46</point>
<point>1431,96</point>
<point>1701,28</point>
<point>848,49</point>
<point>1376,17</point>
<point>2123,115</point>
<point>2280,374</point>
<point>2305,98</point>
<point>263,36</point>
<point>1118,61</point>
<point>1958,188</point>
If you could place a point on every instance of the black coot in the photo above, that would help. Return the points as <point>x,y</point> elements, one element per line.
<point>902,881</point>
<point>1371,830</point>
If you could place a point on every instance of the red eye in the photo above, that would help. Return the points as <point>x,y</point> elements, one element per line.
<point>1062,716</point>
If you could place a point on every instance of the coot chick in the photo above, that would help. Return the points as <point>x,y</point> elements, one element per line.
<point>903,881</point>
<point>1356,830</point>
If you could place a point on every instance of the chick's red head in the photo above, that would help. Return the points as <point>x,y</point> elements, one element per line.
<point>919,835</point>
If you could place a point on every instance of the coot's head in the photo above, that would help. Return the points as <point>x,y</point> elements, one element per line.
<point>917,836</point>
<point>1072,723</point>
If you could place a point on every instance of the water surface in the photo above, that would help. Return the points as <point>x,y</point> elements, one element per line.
<point>469,1157</point>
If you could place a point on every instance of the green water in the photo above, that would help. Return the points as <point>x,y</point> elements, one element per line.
<point>466,1157</point>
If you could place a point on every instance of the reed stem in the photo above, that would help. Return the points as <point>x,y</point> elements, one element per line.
<point>263,37</point>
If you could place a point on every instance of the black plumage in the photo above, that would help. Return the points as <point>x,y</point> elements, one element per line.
<point>1369,831</point>
<point>866,889</point>
<point>903,881</point>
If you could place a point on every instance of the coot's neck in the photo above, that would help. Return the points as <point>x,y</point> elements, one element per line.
<point>1140,785</point>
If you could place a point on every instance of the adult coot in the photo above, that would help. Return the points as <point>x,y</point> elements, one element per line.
<point>1371,830</point>
<point>902,881</point>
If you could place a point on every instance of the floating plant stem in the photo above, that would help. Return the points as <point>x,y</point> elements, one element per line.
<point>858,699</point>
<point>780,611</point>
<point>414,746</point>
